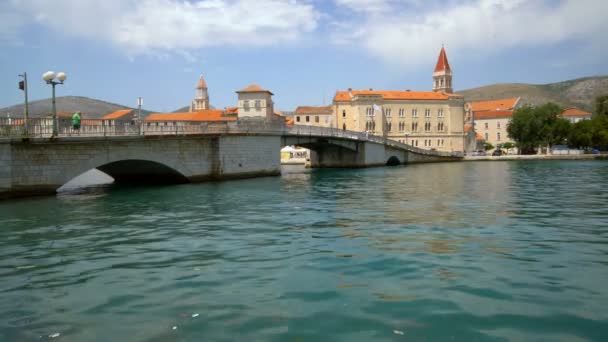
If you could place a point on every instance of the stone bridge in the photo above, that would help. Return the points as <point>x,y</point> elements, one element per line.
<point>35,162</point>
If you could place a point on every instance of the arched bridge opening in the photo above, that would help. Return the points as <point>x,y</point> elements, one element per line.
<point>393,161</point>
<point>134,171</point>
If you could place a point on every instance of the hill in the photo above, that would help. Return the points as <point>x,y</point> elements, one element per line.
<point>579,93</point>
<point>91,108</point>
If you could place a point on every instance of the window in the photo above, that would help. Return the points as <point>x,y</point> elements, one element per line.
<point>344,113</point>
<point>486,136</point>
<point>389,126</point>
<point>401,126</point>
<point>414,126</point>
<point>258,104</point>
<point>401,112</point>
<point>440,113</point>
<point>415,113</point>
<point>246,105</point>
<point>307,118</point>
<point>498,136</point>
<point>486,126</point>
<point>298,118</point>
<point>498,124</point>
<point>427,113</point>
<point>427,126</point>
<point>370,126</point>
<point>316,118</point>
<point>438,142</point>
<point>370,111</point>
<point>344,127</point>
<point>387,112</point>
<point>440,127</point>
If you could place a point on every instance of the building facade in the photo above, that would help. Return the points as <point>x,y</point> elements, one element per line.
<point>255,102</point>
<point>425,119</point>
<point>315,116</point>
<point>491,118</point>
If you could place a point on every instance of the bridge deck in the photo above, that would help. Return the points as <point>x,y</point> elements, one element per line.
<point>16,129</point>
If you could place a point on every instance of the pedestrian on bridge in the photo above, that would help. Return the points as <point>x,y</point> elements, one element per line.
<point>76,121</point>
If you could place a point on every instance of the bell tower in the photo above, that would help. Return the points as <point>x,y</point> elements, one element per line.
<point>201,97</point>
<point>442,76</point>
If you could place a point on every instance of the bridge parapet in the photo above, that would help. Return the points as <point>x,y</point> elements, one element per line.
<point>42,128</point>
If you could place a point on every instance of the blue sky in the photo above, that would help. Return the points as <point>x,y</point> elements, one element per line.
<point>303,51</point>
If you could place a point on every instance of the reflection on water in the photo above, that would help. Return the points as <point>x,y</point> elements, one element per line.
<point>464,251</point>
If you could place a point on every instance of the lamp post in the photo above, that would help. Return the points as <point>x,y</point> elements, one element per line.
<point>49,78</point>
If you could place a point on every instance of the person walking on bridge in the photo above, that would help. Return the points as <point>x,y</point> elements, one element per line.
<point>76,121</point>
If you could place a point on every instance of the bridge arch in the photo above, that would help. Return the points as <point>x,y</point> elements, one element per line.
<point>129,171</point>
<point>393,161</point>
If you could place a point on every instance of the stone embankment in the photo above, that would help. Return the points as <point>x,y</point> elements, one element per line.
<point>538,157</point>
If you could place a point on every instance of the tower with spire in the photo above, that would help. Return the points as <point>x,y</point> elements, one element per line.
<point>442,76</point>
<point>201,97</point>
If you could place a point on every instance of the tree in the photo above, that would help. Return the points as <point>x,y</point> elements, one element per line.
<point>581,134</point>
<point>487,146</point>
<point>531,127</point>
<point>601,105</point>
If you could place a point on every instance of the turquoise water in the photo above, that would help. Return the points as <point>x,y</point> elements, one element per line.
<point>454,251</point>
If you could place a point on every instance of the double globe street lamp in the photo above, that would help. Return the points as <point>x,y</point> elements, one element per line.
<point>49,77</point>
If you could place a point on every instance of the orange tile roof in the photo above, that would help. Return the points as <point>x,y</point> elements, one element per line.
<point>201,83</point>
<point>467,128</point>
<point>202,115</point>
<point>344,96</point>
<point>232,110</point>
<point>254,88</point>
<point>493,114</point>
<point>442,62</point>
<point>503,104</point>
<point>314,110</point>
<point>575,112</point>
<point>117,114</point>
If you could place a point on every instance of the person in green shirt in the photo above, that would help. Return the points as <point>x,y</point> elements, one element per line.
<point>76,121</point>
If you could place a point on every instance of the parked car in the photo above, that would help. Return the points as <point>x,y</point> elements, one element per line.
<point>497,153</point>
<point>479,153</point>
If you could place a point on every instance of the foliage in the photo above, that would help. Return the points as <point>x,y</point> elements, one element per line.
<point>487,146</point>
<point>508,145</point>
<point>601,106</point>
<point>538,126</point>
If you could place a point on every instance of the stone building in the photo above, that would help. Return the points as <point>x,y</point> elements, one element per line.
<point>255,102</point>
<point>425,119</point>
<point>315,116</point>
<point>491,118</point>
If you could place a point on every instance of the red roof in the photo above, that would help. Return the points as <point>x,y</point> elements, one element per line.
<point>314,110</point>
<point>442,62</point>
<point>345,96</point>
<point>503,104</point>
<point>575,112</point>
<point>493,114</point>
<point>254,88</point>
<point>201,83</point>
<point>117,114</point>
<point>232,110</point>
<point>201,115</point>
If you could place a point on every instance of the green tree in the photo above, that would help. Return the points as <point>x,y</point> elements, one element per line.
<point>531,127</point>
<point>581,134</point>
<point>487,146</point>
<point>601,105</point>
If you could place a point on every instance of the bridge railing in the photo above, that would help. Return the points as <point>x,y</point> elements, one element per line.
<point>43,128</point>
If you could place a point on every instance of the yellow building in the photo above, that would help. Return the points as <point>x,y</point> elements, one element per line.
<point>491,118</point>
<point>425,119</point>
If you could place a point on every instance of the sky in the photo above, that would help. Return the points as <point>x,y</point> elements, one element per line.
<point>301,50</point>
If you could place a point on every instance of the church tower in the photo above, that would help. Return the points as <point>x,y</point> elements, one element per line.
<point>201,98</point>
<point>442,76</point>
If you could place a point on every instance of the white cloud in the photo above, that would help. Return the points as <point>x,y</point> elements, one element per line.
<point>411,38</point>
<point>161,26</point>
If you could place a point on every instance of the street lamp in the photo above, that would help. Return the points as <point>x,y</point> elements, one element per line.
<point>49,78</point>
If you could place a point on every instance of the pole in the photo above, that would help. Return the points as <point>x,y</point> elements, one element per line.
<point>27,111</point>
<point>54,111</point>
